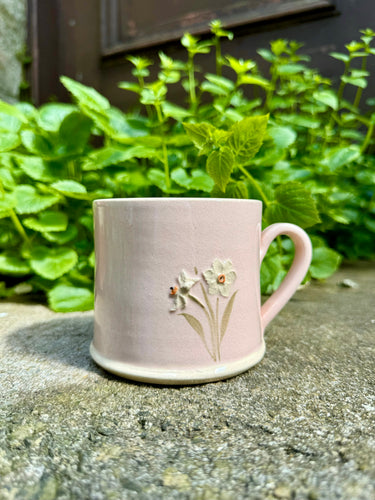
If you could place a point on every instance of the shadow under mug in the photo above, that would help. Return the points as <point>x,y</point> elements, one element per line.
<point>177,287</point>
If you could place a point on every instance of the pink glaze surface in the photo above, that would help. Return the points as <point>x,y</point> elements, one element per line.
<point>143,245</point>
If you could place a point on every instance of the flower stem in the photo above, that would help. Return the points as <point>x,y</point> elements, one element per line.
<point>193,297</point>
<point>211,319</point>
<point>217,329</point>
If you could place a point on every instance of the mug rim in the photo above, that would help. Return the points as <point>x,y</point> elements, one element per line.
<point>157,200</point>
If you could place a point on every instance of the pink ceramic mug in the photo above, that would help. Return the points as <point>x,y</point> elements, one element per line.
<point>177,292</point>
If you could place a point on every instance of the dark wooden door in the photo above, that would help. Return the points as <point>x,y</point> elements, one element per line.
<point>88,40</point>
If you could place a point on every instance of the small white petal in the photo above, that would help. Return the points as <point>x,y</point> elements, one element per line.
<point>224,289</point>
<point>186,282</point>
<point>217,266</point>
<point>227,266</point>
<point>230,277</point>
<point>210,276</point>
<point>213,288</point>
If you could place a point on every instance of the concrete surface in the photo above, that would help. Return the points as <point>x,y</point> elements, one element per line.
<point>300,425</point>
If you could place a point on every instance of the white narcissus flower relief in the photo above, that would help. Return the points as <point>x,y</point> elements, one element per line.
<point>180,294</point>
<point>220,277</point>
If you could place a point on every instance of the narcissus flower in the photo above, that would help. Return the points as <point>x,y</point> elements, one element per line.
<point>220,277</point>
<point>180,294</point>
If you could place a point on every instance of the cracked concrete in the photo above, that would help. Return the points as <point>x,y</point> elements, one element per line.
<point>300,425</point>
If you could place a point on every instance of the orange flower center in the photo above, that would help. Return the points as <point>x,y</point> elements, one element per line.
<point>173,290</point>
<point>221,278</point>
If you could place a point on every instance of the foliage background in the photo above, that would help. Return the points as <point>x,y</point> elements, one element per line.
<point>287,138</point>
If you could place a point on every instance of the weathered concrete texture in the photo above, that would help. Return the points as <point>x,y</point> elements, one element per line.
<point>12,43</point>
<point>299,425</point>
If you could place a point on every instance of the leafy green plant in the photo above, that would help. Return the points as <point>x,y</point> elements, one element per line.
<point>286,138</point>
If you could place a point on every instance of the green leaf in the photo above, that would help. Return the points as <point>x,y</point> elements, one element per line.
<point>220,165</point>
<point>86,96</point>
<point>357,82</point>
<point>294,204</point>
<point>108,156</point>
<point>267,55</point>
<point>180,176</point>
<point>254,80</point>
<point>68,298</point>
<point>157,177</point>
<point>325,262</point>
<point>341,57</point>
<point>74,133</point>
<point>11,264</point>
<point>7,179</point>
<point>61,237</point>
<point>272,271</point>
<point>302,121</point>
<point>37,168</point>
<point>283,137</point>
<point>7,202</point>
<point>51,263</point>
<point>290,69</point>
<point>327,97</point>
<point>71,189</point>
<point>236,189</point>
<point>47,221</point>
<point>11,110</point>
<point>9,124</point>
<point>199,133</point>
<point>8,141</point>
<point>247,137</point>
<point>37,144</point>
<point>51,115</point>
<point>8,236</point>
<point>213,89</point>
<point>173,111</point>
<point>29,200</point>
<point>369,222</point>
<point>220,81</point>
<point>133,87</point>
<point>341,157</point>
<point>199,180</point>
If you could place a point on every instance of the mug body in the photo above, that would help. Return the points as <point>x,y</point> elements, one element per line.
<point>177,288</point>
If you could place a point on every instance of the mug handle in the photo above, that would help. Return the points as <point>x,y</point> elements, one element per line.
<point>298,270</point>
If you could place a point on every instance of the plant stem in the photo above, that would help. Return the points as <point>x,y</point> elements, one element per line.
<point>367,138</point>
<point>193,97</point>
<point>19,227</point>
<point>340,93</point>
<point>142,86</point>
<point>271,91</point>
<point>165,151</point>
<point>255,184</point>
<point>17,223</point>
<point>71,169</point>
<point>218,56</point>
<point>358,94</point>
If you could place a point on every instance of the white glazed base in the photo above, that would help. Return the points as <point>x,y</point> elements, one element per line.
<point>178,377</point>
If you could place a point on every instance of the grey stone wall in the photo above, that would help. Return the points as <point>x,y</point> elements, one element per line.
<point>12,42</point>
